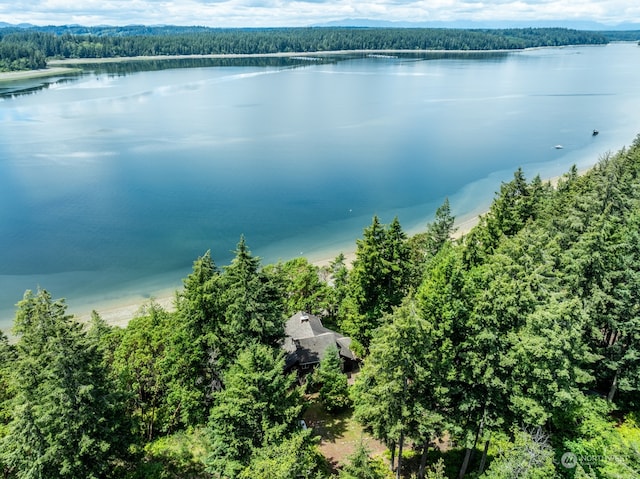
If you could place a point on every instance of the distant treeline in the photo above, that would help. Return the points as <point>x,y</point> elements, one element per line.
<point>622,35</point>
<point>29,48</point>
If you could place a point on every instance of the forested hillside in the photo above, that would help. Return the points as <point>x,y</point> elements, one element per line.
<point>513,351</point>
<point>622,35</point>
<point>29,48</point>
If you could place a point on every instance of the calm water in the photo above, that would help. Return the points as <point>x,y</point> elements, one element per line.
<point>112,183</point>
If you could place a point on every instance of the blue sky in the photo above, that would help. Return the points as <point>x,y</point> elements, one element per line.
<point>255,13</point>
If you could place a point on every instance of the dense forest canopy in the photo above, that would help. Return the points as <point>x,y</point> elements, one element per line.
<point>518,342</point>
<point>622,35</point>
<point>29,48</point>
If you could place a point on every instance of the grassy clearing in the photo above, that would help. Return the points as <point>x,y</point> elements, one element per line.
<point>339,434</point>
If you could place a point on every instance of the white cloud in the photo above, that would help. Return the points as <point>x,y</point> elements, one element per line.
<point>239,13</point>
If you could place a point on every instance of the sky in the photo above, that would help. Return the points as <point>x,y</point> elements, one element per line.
<point>275,13</point>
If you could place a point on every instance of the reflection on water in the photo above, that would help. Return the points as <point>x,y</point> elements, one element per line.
<point>123,68</point>
<point>30,86</point>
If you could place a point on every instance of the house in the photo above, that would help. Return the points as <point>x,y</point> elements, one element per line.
<point>306,340</point>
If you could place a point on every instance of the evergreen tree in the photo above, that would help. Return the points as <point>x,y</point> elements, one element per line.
<point>67,421</point>
<point>99,331</point>
<point>259,405</point>
<point>424,246</point>
<point>548,360</point>
<point>301,286</point>
<point>396,254</point>
<point>436,471</point>
<point>393,396</point>
<point>440,231</point>
<point>296,456</point>
<point>140,367</point>
<point>444,304</point>
<point>530,456</point>
<point>378,281</point>
<point>252,310</point>
<point>334,390</point>
<point>195,356</point>
<point>607,260</point>
<point>339,281</point>
<point>198,302</point>
<point>7,364</point>
<point>516,204</point>
<point>360,465</point>
<point>513,205</point>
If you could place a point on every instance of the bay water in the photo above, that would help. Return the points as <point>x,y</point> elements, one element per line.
<point>113,181</point>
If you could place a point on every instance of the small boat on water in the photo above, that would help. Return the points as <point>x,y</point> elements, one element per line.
<point>595,132</point>
<point>558,147</point>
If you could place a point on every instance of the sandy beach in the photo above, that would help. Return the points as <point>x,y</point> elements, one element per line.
<point>120,311</point>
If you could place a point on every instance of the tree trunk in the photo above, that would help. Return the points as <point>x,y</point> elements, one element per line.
<point>484,457</point>
<point>465,463</point>
<point>393,456</point>
<point>423,459</point>
<point>614,387</point>
<point>478,434</point>
<point>400,454</point>
<point>467,456</point>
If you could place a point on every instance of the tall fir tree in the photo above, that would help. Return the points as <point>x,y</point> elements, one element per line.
<point>195,359</point>
<point>393,395</point>
<point>334,388</point>
<point>378,281</point>
<point>67,421</point>
<point>250,304</point>
<point>7,392</point>
<point>258,406</point>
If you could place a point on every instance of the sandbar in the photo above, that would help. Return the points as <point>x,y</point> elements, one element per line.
<point>41,73</point>
<point>303,55</point>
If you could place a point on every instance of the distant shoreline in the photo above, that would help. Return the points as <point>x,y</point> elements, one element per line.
<point>41,73</point>
<point>89,61</point>
<point>61,66</point>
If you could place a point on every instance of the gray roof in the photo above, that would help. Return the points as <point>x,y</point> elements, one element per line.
<point>303,325</point>
<point>307,339</point>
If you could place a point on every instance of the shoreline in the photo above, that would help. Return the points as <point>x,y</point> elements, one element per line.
<point>20,75</point>
<point>118,312</point>
<point>57,66</point>
<point>304,55</point>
